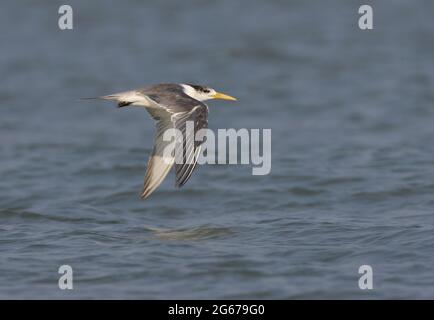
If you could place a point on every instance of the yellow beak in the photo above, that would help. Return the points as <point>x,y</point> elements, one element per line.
<point>223,96</point>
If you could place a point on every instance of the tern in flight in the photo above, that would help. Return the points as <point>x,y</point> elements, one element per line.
<point>171,105</point>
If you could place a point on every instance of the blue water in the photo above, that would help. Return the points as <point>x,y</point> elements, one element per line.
<point>352,178</point>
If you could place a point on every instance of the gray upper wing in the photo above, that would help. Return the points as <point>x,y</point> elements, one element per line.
<point>175,112</point>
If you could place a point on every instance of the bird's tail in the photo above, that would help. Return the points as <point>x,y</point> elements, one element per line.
<point>115,97</point>
<point>109,97</point>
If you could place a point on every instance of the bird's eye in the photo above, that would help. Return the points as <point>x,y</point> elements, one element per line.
<point>206,91</point>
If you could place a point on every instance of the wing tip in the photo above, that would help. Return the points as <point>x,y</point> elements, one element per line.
<point>143,195</point>
<point>146,192</point>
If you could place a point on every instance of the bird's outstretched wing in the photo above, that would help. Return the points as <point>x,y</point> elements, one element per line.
<point>160,160</point>
<point>165,152</point>
<point>190,148</point>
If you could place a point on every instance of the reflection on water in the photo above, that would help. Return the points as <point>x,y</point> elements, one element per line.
<point>195,233</point>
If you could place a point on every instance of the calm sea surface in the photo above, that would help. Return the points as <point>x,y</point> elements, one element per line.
<point>352,178</point>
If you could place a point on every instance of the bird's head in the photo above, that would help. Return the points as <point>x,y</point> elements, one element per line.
<point>203,93</point>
